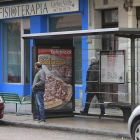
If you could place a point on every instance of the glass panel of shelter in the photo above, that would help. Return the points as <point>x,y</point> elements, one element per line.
<point>121,93</point>
<point>137,70</point>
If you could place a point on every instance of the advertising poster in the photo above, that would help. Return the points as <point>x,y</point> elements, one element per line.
<point>112,67</point>
<point>57,64</point>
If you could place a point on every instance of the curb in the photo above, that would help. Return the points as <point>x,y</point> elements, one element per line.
<point>66,128</point>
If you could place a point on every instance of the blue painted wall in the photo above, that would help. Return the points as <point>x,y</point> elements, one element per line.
<point>27,90</point>
<point>13,89</point>
<point>38,24</point>
<point>84,46</point>
<point>0,57</point>
<point>84,10</point>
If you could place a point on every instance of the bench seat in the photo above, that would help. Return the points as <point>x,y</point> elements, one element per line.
<point>15,99</point>
<point>125,107</point>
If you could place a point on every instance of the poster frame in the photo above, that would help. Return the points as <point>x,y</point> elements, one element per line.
<point>111,51</point>
<point>73,75</point>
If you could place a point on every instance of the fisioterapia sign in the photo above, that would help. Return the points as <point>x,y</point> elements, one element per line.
<point>39,8</point>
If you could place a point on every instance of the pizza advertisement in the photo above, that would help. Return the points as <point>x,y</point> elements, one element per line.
<point>57,64</point>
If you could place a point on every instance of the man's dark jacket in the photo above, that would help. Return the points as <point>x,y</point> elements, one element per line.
<point>93,78</point>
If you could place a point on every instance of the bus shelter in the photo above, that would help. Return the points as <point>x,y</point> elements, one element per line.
<point>66,58</point>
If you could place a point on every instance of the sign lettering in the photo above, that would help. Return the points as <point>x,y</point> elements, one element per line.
<point>39,8</point>
<point>112,68</point>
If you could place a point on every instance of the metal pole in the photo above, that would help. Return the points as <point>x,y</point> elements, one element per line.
<point>132,73</point>
<point>24,69</point>
<point>16,107</point>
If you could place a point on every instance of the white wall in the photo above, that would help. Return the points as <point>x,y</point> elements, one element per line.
<point>111,4</point>
<point>136,3</point>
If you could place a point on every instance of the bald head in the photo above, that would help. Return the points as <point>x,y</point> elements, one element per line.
<point>38,65</point>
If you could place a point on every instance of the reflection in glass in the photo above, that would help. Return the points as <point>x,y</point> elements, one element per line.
<point>70,23</point>
<point>11,52</point>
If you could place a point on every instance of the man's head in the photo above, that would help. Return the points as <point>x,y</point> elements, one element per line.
<point>93,59</point>
<point>38,65</point>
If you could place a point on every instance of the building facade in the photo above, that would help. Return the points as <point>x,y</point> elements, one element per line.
<point>18,18</point>
<point>112,14</point>
<point>27,17</point>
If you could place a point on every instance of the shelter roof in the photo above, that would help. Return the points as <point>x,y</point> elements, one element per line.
<point>123,32</point>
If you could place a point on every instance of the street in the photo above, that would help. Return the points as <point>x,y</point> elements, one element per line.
<point>16,133</point>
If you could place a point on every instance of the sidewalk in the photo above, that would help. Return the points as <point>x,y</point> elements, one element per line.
<point>92,125</point>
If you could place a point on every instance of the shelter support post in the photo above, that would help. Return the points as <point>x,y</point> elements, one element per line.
<point>132,72</point>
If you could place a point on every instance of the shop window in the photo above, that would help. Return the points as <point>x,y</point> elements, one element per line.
<point>11,37</point>
<point>70,23</point>
<point>110,18</point>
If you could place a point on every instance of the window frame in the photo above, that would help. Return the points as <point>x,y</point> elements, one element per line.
<point>108,24</point>
<point>9,83</point>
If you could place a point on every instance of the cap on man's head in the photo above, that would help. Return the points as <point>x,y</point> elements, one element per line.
<point>38,64</point>
<point>93,59</point>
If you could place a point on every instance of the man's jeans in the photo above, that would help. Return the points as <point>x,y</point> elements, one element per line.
<point>39,101</point>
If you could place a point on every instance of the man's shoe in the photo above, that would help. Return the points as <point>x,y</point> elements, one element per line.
<point>103,114</point>
<point>83,112</point>
<point>37,119</point>
<point>41,121</point>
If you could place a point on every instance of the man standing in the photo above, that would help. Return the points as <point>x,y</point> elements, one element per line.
<point>38,89</point>
<point>93,86</point>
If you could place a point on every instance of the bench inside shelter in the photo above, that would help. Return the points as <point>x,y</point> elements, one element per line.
<point>125,107</point>
<point>15,99</point>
